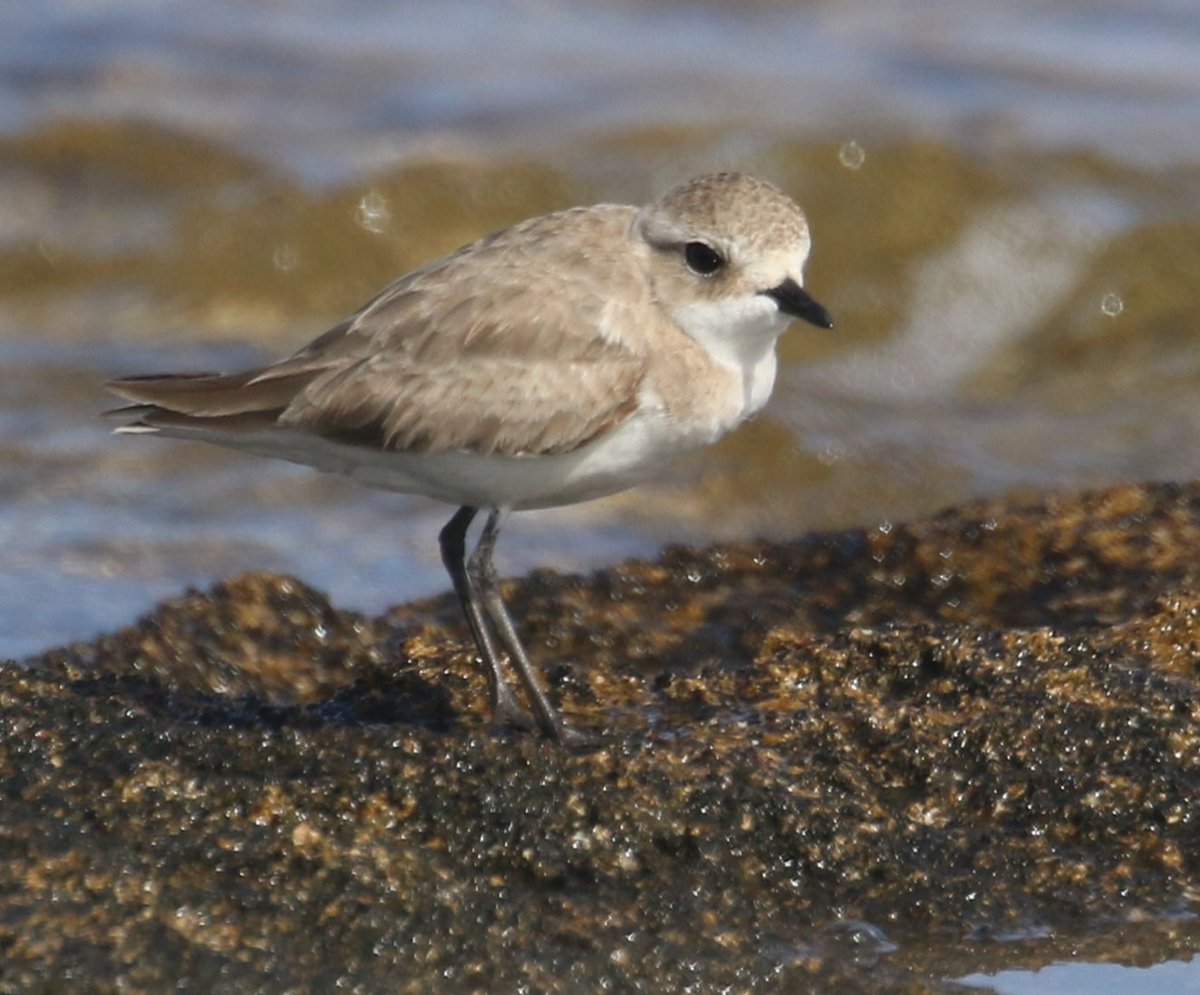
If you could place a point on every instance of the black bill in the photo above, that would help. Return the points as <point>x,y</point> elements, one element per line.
<point>793,299</point>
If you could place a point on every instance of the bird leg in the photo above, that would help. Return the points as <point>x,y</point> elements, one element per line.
<point>453,542</point>
<point>483,572</point>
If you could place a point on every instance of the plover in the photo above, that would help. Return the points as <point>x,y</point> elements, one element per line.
<point>565,358</point>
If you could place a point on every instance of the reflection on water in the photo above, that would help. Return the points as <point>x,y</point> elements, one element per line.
<point>1179,977</point>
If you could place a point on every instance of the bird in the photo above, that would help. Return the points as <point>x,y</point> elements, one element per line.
<point>567,357</point>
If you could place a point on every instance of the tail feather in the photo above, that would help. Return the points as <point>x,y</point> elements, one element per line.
<point>211,395</point>
<point>147,420</point>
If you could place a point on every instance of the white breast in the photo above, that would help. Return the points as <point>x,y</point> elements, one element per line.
<point>739,334</point>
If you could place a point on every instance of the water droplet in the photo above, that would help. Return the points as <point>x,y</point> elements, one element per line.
<point>373,213</point>
<point>830,455</point>
<point>285,257</point>
<point>50,249</point>
<point>851,155</point>
<point>858,942</point>
<point>1112,305</point>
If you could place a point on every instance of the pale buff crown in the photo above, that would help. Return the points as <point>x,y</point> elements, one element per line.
<point>744,217</point>
<point>761,215</point>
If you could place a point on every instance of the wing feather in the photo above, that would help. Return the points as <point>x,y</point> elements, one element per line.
<point>522,344</point>
<point>211,395</point>
<point>485,406</point>
<point>514,346</point>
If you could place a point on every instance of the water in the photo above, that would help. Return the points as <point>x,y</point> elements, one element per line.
<point>328,87</point>
<point>1069,132</point>
<point>1004,199</point>
<point>329,94</point>
<point>1178,977</point>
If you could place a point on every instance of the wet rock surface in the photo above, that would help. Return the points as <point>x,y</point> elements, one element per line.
<point>831,764</point>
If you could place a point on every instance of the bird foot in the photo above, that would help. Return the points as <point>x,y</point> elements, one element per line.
<point>575,739</point>
<point>508,715</point>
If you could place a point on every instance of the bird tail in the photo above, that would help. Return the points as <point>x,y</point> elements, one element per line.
<point>204,404</point>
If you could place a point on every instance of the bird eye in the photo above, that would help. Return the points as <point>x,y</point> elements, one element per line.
<point>702,259</point>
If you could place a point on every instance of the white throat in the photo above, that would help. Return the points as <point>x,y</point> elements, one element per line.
<point>740,334</point>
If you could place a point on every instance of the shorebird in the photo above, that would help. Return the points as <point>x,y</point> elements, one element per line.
<point>565,358</point>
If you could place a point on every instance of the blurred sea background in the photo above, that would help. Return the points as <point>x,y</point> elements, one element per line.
<point>1005,200</point>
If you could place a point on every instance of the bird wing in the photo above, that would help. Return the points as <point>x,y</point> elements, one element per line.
<point>523,343</point>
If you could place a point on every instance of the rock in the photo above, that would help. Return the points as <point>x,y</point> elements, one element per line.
<point>830,765</point>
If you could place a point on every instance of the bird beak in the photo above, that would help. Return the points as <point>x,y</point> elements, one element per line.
<point>796,301</point>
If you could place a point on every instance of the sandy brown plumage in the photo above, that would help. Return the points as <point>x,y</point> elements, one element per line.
<point>430,365</point>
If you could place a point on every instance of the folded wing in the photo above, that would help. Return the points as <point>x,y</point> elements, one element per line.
<point>484,351</point>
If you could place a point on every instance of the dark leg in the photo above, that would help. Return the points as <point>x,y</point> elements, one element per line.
<point>453,541</point>
<point>483,572</point>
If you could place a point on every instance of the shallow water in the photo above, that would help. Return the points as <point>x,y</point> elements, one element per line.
<point>1182,977</point>
<point>1005,204</point>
